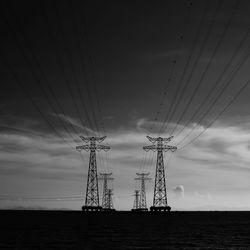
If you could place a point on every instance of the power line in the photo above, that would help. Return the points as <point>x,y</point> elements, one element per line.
<point>220,93</point>
<point>181,37</point>
<point>60,65</point>
<point>176,98</point>
<point>6,127</point>
<point>37,198</point>
<point>36,78</point>
<point>69,59</point>
<point>81,50</point>
<point>220,113</point>
<point>172,70</point>
<point>28,45</point>
<point>27,94</point>
<point>205,39</point>
<point>216,83</point>
<point>85,40</point>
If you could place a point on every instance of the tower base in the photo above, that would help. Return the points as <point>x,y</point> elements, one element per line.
<point>160,209</point>
<point>139,210</point>
<point>108,210</point>
<point>91,208</point>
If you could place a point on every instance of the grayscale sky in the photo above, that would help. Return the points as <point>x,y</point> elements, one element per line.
<point>125,69</point>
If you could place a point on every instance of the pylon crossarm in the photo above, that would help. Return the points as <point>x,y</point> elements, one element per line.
<point>101,147</point>
<point>143,174</point>
<point>97,139</point>
<point>167,139</point>
<point>151,139</point>
<point>147,148</point>
<point>83,147</point>
<point>167,148</point>
<point>159,139</point>
<point>105,174</point>
<point>100,139</point>
<point>146,178</point>
<point>107,178</point>
<point>85,139</point>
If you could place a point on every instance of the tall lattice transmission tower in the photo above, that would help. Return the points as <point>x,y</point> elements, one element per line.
<point>136,201</point>
<point>142,177</point>
<point>160,202</point>
<point>92,192</point>
<point>107,201</point>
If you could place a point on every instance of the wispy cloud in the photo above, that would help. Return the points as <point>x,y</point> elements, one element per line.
<point>76,123</point>
<point>198,167</point>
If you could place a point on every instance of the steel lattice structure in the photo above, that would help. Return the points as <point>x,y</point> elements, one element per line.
<point>107,202</point>
<point>142,177</point>
<point>160,202</point>
<point>110,205</point>
<point>136,201</point>
<point>92,192</point>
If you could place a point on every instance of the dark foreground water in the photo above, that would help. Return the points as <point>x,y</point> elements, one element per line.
<point>76,230</point>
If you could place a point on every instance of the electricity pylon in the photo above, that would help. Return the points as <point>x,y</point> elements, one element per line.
<point>136,201</point>
<point>160,202</point>
<point>142,177</point>
<point>107,203</point>
<point>110,205</point>
<point>92,192</point>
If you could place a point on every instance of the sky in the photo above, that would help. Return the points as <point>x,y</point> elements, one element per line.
<point>125,70</point>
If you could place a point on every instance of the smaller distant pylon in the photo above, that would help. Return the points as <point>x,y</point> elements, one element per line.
<point>142,177</point>
<point>110,204</point>
<point>136,201</point>
<point>107,201</point>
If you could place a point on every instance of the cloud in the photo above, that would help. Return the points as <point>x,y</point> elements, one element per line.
<point>222,153</point>
<point>179,191</point>
<point>221,146</point>
<point>76,123</point>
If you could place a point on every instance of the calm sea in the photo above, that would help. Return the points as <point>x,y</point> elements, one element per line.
<point>124,230</point>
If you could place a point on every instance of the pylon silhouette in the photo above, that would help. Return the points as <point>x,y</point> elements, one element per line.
<point>136,201</point>
<point>92,192</point>
<point>107,202</point>
<point>160,202</point>
<point>142,177</point>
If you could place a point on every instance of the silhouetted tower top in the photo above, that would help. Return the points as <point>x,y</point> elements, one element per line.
<point>142,177</point>
<point>92,192</point>
<point>160,192</point>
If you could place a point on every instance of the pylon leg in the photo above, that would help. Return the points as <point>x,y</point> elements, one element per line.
<point>92,194</point>
<point>160,202</point>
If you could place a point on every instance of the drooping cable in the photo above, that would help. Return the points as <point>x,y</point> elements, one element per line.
<point>29,97</point>
<point>48,83</point>
<point>81,52</point>
<point>216,83</point>
<point>58,58</point>
<point>36,78</point>
<point>218,115</point>
<point>176,99</point>
<point>169,80</point>
<point>71,66</point>
<point>226,84</point>
<point>201,50</point>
